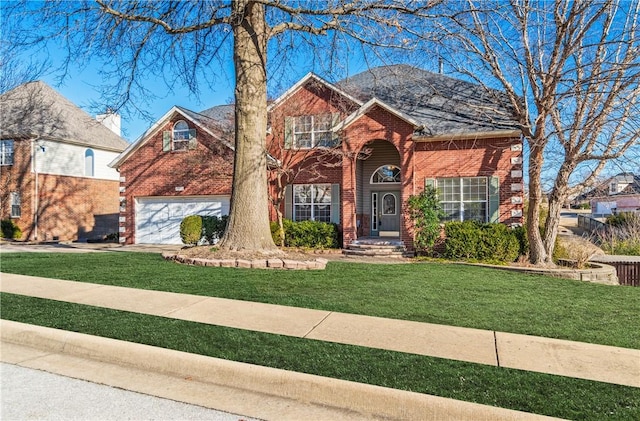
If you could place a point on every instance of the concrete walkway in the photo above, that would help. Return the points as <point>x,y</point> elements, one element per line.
<point>559,357</point>
<point>552,356</point>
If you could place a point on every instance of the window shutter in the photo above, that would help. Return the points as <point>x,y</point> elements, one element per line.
<point>288,132</point>
<point>193,140</point>
<point>335,140</point>
<point>288,202</point>
<point>166,141</point>
<point>430,182</point>
<point>335,203</point>
<point>494,199</point>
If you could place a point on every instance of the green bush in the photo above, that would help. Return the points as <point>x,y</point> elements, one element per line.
<point>213,227</point>
<point>461,240</point>
<point>307,234</point>
<point>10,230</point>
<point>483,242</point>
<point>623,219</point>
<point>426,214</point>
<point>191,229</point>
<point>523,240</point>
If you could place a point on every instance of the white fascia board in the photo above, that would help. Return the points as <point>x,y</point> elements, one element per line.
<point>364,109</point>
<point>302,82</point>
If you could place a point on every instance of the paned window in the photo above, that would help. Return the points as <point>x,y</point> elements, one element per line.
<point>311,131</point>
<point>15,204</point>
<point>386,174</point>
<point>181,136</point>
<point>312,202</point>
<point>464,199</point>
<point>6,152</point>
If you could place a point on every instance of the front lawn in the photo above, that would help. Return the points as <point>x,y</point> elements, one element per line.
<point>449,294</point>
<point>538,393</point>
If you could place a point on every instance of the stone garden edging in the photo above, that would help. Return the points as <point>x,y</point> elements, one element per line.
<point>266,263</point>
<point>598,273</point>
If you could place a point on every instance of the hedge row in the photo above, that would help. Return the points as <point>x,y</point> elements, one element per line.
<point>307,234</point>
<point>471,240</point>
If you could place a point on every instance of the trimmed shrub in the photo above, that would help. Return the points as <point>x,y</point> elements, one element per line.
<point>307,234</point>
<point>10,230</point>
<point>461,240</point>
<point>483,242</point>
<point>213,228</point>
<point>191,229</point>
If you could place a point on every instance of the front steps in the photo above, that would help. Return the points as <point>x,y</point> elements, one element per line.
<point>377,247</point>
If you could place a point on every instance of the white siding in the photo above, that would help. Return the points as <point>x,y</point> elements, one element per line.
<point>65,159</point>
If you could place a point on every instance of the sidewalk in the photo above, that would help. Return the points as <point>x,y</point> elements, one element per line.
<point>552,356</point>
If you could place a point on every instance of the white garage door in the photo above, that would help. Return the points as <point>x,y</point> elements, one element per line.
<point>158,218</point>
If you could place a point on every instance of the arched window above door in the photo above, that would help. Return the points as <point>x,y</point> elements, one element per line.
<point>386,174</point>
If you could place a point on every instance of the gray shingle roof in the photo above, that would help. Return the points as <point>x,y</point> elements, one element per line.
<point>35,108</point>
<point>443,105</point>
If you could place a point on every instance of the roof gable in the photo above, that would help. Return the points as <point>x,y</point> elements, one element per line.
<point>205,123</point>
<point>311,78</point>
<point>365,108</point>
<point>35,109</point>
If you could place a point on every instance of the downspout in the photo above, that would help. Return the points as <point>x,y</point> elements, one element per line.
<point>36,198</point>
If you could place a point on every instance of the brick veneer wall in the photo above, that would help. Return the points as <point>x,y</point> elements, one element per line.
<point>206,170</point>
<point>70,208</point>
<point>418,160</point>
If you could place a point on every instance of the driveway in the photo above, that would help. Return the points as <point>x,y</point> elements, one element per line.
<point>71,247</point>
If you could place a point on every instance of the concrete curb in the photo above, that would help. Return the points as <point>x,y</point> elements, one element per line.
<point>367,401</point>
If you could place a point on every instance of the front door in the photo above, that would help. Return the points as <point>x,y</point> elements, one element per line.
<point>385,213</point>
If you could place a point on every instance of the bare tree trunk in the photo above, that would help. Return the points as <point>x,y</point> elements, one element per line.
<point>248,227</point>
<point>537,252</point>
<point>557,197</point>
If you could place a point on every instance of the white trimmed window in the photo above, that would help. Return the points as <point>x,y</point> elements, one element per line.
<point>311,131</point>
<point>16,211</point>
<point>6,152</point>
<point>181,138</point>
<point>464,198</point>
<point>312,202</point>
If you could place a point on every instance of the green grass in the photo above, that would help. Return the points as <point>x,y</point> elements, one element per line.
<point>526,391</point>
<point>449,294</point>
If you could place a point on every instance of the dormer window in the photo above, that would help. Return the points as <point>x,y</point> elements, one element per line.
<point>181,138</point>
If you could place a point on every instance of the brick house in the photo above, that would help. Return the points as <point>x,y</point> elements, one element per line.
<point>350,153</point>
<point>182,165</point>
<point>55,182</point>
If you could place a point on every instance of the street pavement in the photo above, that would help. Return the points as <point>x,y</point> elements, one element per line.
<point>28,394</point>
